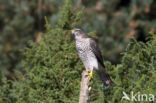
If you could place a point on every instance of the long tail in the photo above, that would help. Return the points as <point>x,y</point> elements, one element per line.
<point>105,78</point>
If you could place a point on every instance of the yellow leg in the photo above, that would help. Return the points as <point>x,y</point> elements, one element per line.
<point>90,74</point>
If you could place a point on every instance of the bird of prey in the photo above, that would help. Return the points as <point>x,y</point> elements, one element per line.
<point>90,55</point>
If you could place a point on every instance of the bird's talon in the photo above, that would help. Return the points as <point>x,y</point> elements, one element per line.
<point>90,74</point>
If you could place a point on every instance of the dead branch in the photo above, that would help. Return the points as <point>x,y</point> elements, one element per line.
<point>85,88</point>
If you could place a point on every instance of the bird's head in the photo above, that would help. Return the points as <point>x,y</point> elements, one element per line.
<point>78,33</point>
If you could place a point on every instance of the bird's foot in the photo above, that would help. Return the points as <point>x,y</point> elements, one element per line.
<point>90,74</point>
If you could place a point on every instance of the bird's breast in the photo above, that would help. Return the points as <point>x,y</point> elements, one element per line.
<point>86,55</point>
<point>82,45</point>
<point>82,48</point>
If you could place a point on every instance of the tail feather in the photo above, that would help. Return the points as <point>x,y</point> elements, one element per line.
<point>104,77</point>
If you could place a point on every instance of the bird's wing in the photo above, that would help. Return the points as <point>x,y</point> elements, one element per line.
<point>95,49</point>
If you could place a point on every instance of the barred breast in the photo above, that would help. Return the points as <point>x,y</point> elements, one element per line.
<point>86,55</point>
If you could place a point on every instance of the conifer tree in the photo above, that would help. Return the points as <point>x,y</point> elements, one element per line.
<point>52,67</point>
<point>137,71</point>
<point>53,70</point>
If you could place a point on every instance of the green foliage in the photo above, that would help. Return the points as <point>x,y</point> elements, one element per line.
<point>16,28</point>
<point>53,72</point>
<point>69,19</point>
<point>113,22</point>
<point>52,69</point>
<point>137,71</point>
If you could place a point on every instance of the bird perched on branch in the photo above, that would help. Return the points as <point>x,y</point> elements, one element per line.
<point>90,55</point>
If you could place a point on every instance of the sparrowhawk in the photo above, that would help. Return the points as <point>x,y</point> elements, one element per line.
<point>90,55</point>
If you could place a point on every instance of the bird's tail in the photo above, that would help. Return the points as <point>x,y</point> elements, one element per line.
<point>104,77</point>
